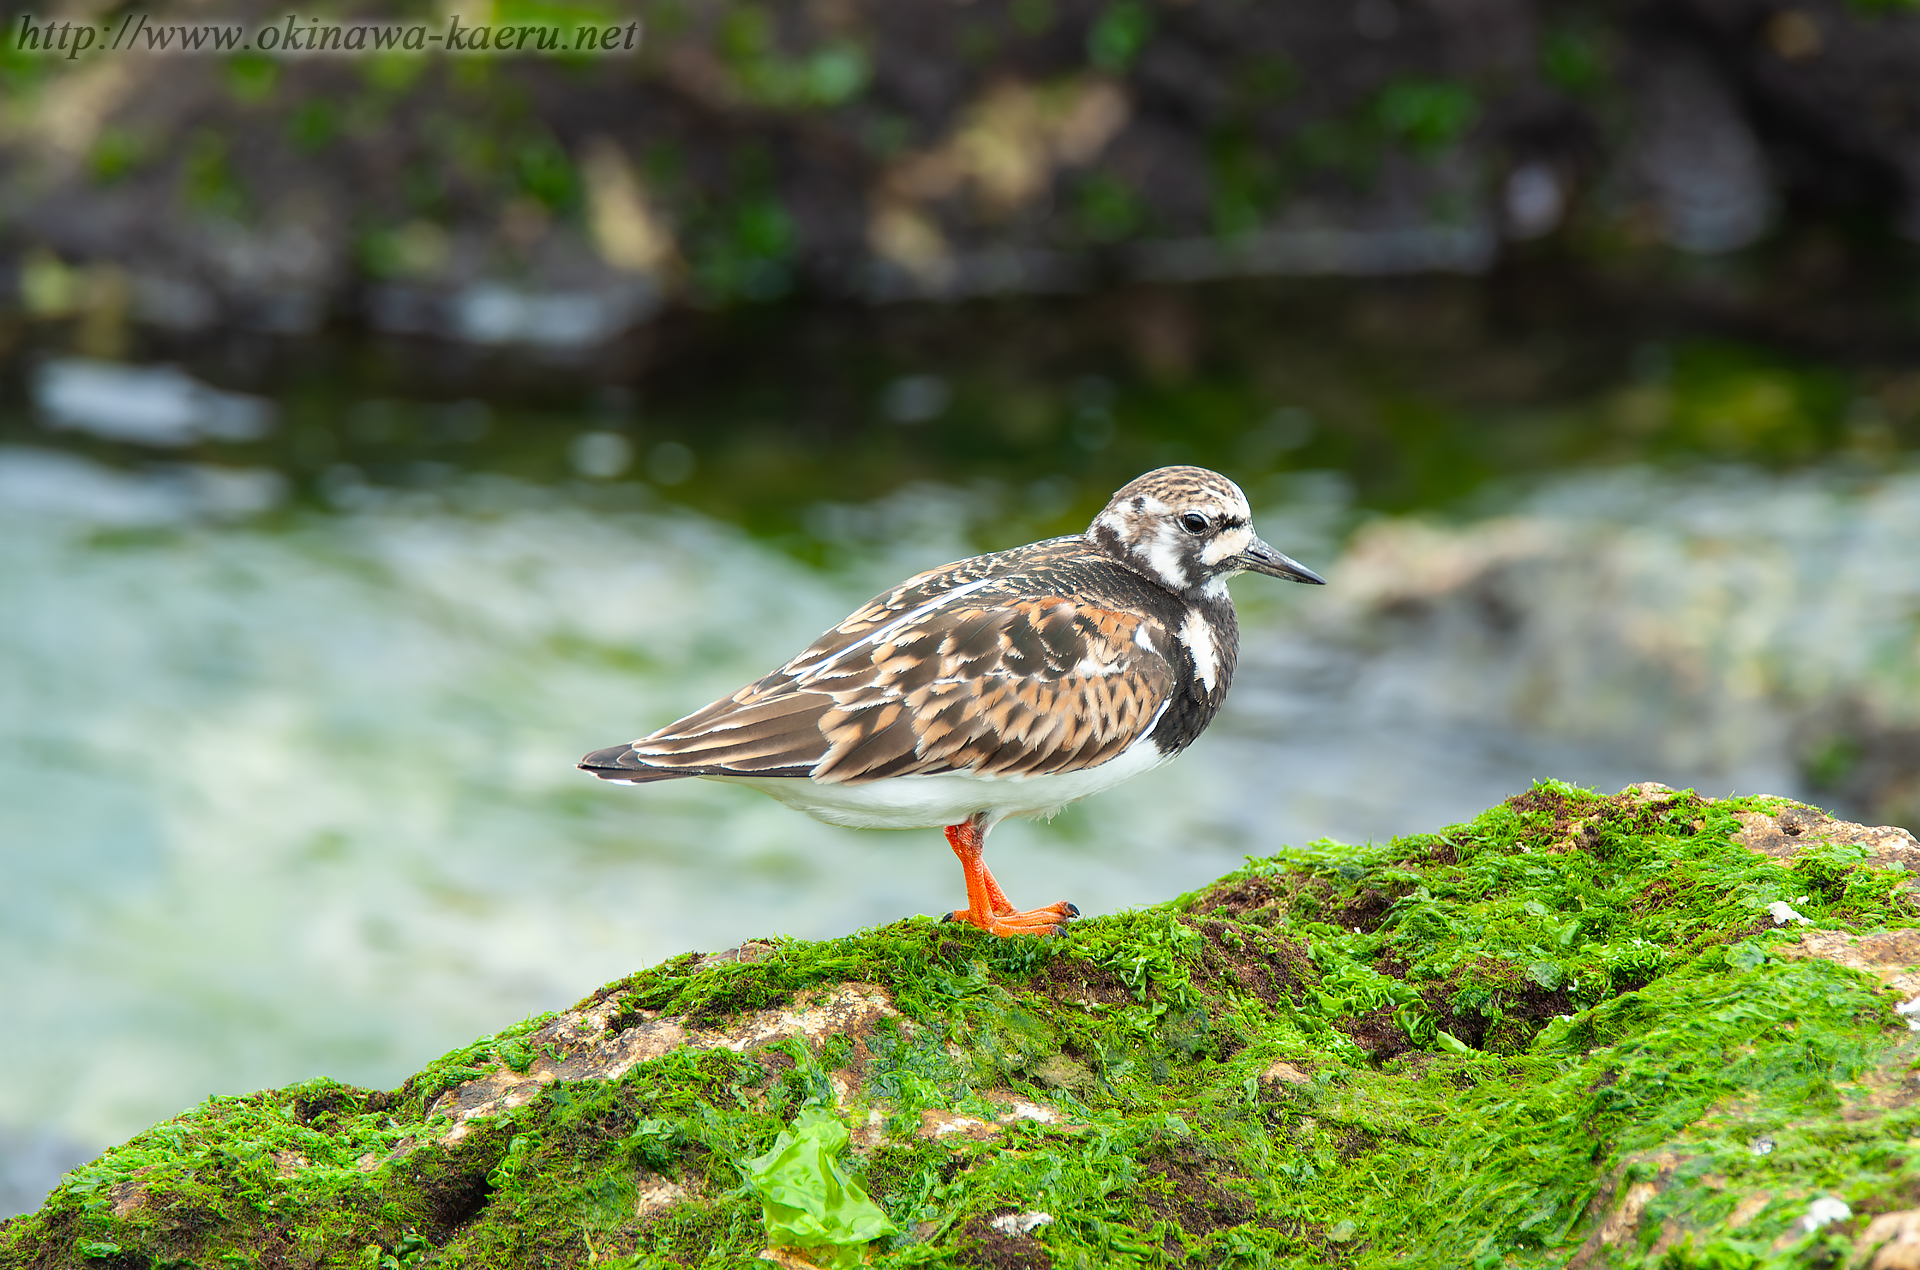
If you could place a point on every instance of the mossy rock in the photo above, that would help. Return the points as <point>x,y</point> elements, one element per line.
<point>1642,1029</point>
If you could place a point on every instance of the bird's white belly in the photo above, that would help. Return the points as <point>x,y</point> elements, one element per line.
<point>922,802</point>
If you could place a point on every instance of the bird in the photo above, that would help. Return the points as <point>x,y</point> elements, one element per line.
<point>1007,684</point>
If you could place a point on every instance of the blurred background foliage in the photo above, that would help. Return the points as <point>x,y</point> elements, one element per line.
<point>749,152</point>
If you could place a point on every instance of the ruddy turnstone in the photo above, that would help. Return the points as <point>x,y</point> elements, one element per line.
<point>1009,684</point>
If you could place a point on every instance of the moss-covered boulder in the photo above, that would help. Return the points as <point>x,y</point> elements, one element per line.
<point>1648,1029</point>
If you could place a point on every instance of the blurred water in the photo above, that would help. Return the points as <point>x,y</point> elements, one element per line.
<point>293,795</point>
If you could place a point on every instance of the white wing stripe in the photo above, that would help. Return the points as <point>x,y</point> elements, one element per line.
<point>879,636</point>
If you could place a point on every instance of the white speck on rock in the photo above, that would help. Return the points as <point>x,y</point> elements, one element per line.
<point>1014,1225</point>
<point>1824,1211</point>
<point>1762,1146</point>
<point>1021,1109</point>
<point>1783,912</point>
<point>935,1124</point>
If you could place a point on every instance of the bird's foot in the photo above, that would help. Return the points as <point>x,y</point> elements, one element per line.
<point>1048,919</point>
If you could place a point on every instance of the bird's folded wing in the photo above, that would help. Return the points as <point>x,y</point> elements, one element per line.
<point>1006,687</point>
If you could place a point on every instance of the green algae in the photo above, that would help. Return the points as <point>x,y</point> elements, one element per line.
<point>807,1201</point>
<point>1562,1033</point>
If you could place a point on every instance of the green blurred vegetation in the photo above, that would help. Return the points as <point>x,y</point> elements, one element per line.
<point>1425,115</point>
<point>833,73</point>
<point>1118,35</point>
<point>1733,401</point>
<point>1414,395</point>
<point>1573,57</point>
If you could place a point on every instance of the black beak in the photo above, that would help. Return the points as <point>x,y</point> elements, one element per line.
<point>1260,558</point>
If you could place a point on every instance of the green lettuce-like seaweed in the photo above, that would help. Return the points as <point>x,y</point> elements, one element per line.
<point>808,1202</point>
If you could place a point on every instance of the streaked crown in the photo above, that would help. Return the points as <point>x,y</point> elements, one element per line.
<point>1178,525</point>
<point>1189,529</point>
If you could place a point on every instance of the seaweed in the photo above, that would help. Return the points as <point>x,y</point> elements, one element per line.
<point>1572,1031</point>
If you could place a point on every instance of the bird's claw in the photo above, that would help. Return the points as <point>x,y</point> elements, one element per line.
<point>1049,919</point>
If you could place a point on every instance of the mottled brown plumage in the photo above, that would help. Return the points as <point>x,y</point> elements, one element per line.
<point>1005,684</point>
<point>1013,679</point>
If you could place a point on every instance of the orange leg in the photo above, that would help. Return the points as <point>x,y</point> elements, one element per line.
<point>987,906</point>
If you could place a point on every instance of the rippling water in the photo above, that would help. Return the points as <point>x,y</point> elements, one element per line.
<point>289,793</point>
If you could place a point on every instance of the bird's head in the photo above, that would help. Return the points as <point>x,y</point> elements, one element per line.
<point>1188,529</point>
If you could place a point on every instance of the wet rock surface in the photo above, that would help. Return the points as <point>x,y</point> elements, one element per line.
<point>1790,833</point>
<point>1572,1018</point>
<point>1558,607</point>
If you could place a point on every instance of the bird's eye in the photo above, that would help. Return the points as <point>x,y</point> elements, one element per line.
<point>1194,523</point>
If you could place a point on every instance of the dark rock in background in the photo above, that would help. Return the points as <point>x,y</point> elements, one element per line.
<point>937,150</point>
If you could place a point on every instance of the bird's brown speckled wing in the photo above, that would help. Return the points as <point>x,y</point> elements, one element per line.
<point>967,668</point>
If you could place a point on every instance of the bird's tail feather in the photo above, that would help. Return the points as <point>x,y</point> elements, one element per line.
<point>620,763</point>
